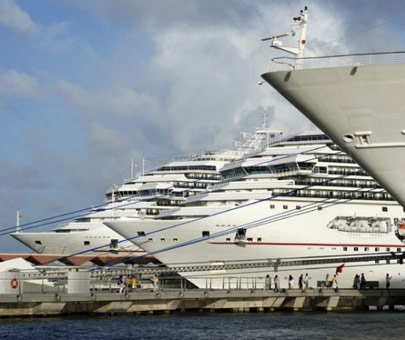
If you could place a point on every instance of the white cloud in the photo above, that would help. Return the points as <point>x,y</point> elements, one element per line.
<point>20,84</point>
<point>13,17</point>
<point>116,102</point>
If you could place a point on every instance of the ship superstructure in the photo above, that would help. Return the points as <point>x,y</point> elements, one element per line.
<point>146,195</point>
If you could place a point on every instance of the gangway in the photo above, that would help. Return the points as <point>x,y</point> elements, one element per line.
<point>59,272</point>
<point>272,264</point>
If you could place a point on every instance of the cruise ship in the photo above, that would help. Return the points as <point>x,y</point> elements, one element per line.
<point>356,99</point>
<point>156,190</point>
<point>302,198</point>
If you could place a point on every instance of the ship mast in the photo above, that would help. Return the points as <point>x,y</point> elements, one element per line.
<point>300,23</point>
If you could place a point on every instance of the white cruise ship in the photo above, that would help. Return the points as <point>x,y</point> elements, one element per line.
<point>303,198</point>
<point>163,188</point>
<point>357,100</point>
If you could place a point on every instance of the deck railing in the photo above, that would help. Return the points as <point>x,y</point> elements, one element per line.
<point>290,63</point>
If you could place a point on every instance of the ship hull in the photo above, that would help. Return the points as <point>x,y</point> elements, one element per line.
<point>288,233</point>
<point>360,108</point>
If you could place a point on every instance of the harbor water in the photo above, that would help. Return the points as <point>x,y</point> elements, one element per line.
<point>365,326</point>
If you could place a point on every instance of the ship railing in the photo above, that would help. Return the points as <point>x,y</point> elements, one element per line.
<point>359,59</point>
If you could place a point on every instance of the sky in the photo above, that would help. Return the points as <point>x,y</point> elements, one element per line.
<point>86,86</point>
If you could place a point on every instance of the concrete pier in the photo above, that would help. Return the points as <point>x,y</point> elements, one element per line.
<point>165,301</point>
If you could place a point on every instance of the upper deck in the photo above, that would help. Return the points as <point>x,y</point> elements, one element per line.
<point>360,59</point>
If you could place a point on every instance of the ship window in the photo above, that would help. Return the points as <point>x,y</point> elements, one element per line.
<point>163,239</point>
<point>285,206</point>
<point>377,249</point>
<point>366,249</point>
<point>114,243</point>
<point>141,233</point>
<point>150,239</point>
<point>86,243</point>
<point>272,206</point>
<point>205,233</point>
<point>175,239</point>
<point>377,261</point>
<point>399,249</point>
<point>228,239</point>
<point>387,249</point>
<point>298,207</point>
<point>344,248</point>
<point>250,239</point>
<point>384,209</point>
<point>319,208</point>
<point>38,242</point>
<point>387,261</point>
<point>356,248</point>
<point>259,239</point>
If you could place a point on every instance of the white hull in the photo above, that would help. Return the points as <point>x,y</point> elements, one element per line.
<point>362,109</point>
<point>96,238</point>
<point>298,236</point>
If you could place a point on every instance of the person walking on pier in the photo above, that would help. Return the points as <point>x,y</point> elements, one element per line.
<point>290,282</point>
<point>267,282</point>
<point>133,283</point>
<point>327,283</point>
<point>387,281</point>
<point>155,281</point>
<point>276,283</point>
<point>301,282</point>
<point>362,281</point>
<point>123,283</point>
<point>335,283</point>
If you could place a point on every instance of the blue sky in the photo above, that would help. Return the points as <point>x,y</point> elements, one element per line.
<point>88,85</point>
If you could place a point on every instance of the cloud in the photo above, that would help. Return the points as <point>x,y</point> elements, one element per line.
<point>13,17</point>
<point>26,177</point>
<point>19,84</point>
<point>118,101</point>
<point>162,14</point>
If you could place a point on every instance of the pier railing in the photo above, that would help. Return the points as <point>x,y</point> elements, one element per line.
<point>359,59</point>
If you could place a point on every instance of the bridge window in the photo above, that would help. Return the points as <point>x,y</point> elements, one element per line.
<point>272,206</point>
<point>205,233</point>
<point>285,206</point>
<point>86,243</point>
<point>384,209</point>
